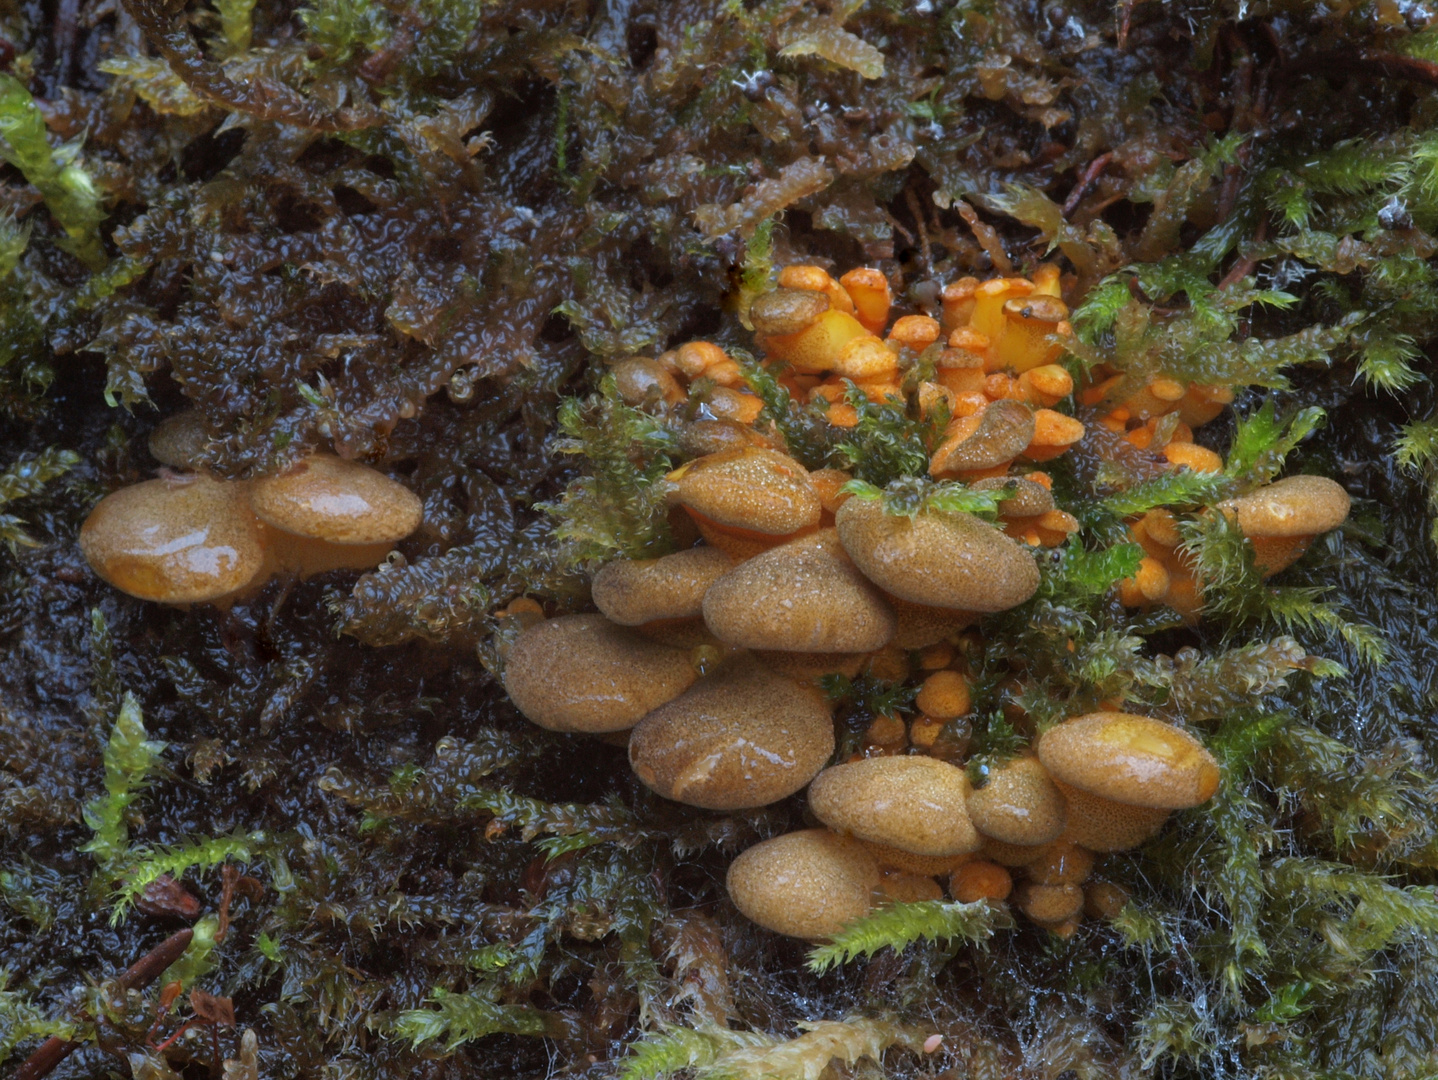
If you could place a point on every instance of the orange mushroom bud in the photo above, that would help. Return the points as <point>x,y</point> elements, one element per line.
<point>869,290</point>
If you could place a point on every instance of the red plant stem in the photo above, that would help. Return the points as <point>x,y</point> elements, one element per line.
<point>138,975</point>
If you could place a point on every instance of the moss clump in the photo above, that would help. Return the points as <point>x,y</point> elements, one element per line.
<point>419,235</point>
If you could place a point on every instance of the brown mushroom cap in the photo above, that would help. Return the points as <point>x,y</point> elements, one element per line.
<point>919,626</point>
<point>1296,506</point>
<point>935,559</point>
<point>1062,862</point>
<point>179,440</point>
<point>743,737</point>
<point>1130,759</point>
<point>1000,433</point>
<point>642,381</point>
<point>1029,499</point>
<point>188,540</point>
<point>902,887</point>
<point>1103,825</point>
<point>757,490</point>
<point>807,667</point>
<point>637,591</point>
<point>929,865</point>
<point>337,501</point>
<point>1019,804</point>
<point>787,311</point>
<point>911,803</point>
<point>1048,905</point>
<point>583,673</point>
<point>803,596</point>
<point>808,884</point>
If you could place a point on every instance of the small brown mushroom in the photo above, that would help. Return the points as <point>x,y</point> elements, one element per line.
<point>582,673</point>
<point>749,491</point>
<point>326,513</point>
<point>632,592</point>
<point>743,737</point>
<point>902,887</point>
<point>803,596</point>
<point>179,440</point>
<point>1283,518</point>
<point>984,441</point>
<point>808,884</point>
<point>1048,905</point>
<point>787,311</point>
<point>1130,759</point>
<point>183,540</point>
<point>980,880</point>
<point>927,865</point>
<point>937,559</point>
<point>642,381</point>
<point>912,803</point>
<point>1103,825</point>
<point>1019,804</point>
<point>1028,499</point>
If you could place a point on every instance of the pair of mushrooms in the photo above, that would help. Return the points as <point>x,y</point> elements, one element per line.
<point>1099,783</point>
<point>1280,520</point>
<point>191,538</point>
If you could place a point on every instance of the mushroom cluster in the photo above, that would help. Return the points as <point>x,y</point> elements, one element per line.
<point>1280,520</point>
<point>904,827</point>
<point>188,538</point>
<point>991,356</point>
<point>707,662</point>
<point>709,657</point>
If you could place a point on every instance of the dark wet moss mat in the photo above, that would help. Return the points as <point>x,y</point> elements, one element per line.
<point>307,834</point>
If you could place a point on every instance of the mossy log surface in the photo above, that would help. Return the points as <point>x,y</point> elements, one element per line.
<point>414,233</point>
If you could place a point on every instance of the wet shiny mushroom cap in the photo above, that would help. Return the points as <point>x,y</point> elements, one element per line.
<point>750,488</point>
<point>178,541</point>
<point>337,501</point>
<point>583,673</point>
<point>179,440</point>
<point>913,803</point>
<point>1027,498</point>
<point>808,884</point>
<point>1018,804</point>
<point>935,559</point>
<point>632,592</point>
<point>1296,506</point>
<point>803,596</point>
<point>1130,759</point>
<point>740,738</point>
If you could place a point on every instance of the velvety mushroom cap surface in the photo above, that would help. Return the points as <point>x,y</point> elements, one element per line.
<point>743,737</point>
<point>803,596</point>
<point>179,440</point>
<point>632,592</point>
<point>1001,434</point>
<point>1103,825</point>
<point>1296,506</point>
<point>1028,499</point>
<point>754,489</point>
<point>912,803</point>
<point>182,541</point>
<point>808,884</point>
<point>939,560</point>
<point>1019,804</point>
<point>1130,759</point>
<point>583,673</point>
<point>341,502</point>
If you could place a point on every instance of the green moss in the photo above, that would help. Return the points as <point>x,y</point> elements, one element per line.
<point>416,235</point>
